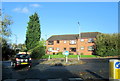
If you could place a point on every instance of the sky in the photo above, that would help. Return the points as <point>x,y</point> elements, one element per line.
<point>58,18</point>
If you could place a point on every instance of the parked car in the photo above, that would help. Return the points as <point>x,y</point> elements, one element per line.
<point>21,59</point>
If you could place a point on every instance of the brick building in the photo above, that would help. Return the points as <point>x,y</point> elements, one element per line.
<point>75,43</point>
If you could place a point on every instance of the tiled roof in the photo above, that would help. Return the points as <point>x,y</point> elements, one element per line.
<point>63,37</point>
<point>89,34</point>
<point>73,36</point>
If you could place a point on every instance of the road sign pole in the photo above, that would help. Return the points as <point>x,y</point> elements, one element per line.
<point>114,70</point>
<point>49,57</point>
<point>66,59</point>
<point>78,57</point>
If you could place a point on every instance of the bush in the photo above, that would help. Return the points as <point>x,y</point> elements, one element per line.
<point>82,54</point>
<point>7,52</point>
<point>45,56</point>
<point>71,53</point>
<point>38,52</point>
<point>59,53</point>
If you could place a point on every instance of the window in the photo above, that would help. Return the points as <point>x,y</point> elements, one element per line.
<point>65,41</point>
<point>57,49</point>
<point>50,48</point>
<point>73,49</point>
<point>50,42</point>
<point>81,40</point>
<point>90,40</point>
<point>64,48</point>
<point>72,42</point>
<point>82,47</point>
<point>58,41</point>
<point>90,48</point>
<point>22,56</point>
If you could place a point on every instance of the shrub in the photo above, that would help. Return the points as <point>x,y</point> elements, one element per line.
<point>59,53</point>
<point>45,56</point>
<point>82,54</point>
<point>38,52</point>
<point>71,53</point>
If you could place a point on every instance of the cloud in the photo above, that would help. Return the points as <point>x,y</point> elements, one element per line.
<point>25,10</point>
<point>21,10</point>
<point>35,5</point>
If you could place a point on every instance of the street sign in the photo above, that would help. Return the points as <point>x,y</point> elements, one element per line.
<point>66,53</point>
<point>117,65</point>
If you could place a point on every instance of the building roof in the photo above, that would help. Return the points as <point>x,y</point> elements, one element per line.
<point>89,34</point>
<point>73,36</point>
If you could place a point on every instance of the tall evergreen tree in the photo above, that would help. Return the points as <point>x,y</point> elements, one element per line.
<point>33,33</point>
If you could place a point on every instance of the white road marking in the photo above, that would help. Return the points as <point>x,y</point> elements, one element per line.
<point>32,80</point>
<point>74,79</point>
<point>54,79</point>
<point>11,80</point>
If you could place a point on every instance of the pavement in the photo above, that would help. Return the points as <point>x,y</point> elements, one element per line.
<point>93,70</point>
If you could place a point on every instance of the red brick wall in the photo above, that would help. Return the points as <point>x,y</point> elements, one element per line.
<point>67,45</point>
<point>85,44</point>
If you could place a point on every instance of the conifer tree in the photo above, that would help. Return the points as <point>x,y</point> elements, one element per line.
<point>33,33</point>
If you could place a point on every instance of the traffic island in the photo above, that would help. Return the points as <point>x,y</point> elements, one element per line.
<point>62,62</point>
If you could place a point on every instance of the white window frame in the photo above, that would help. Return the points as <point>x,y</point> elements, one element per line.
<point>50,42</point>
<point>90,40</point>
<point>72,41</point>
<point>82,47</point>
<point>50,48</point>
<point>81,40</point>
<point>65,41</point>
<point>90,48</point>
<point>57,49</point>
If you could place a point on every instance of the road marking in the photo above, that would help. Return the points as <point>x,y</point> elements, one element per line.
<point>54,79</point>
<point>32,80</point>
<point>11,80</point>
<point>74,79</point>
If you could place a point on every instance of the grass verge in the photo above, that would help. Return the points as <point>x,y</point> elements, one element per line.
<point>69,56</point>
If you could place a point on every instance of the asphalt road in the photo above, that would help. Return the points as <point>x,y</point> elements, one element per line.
<point>93,70</point>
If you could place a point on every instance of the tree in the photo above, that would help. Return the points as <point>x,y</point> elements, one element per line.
<point>5,28</point>
<point>107,44</point>
<point>5,32</point>
<point>38,51</point>
<point>33,33</point>
<point>22,47</point>
<point>7,52</point>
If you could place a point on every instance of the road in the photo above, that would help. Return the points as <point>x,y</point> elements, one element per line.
<point>92,70</point>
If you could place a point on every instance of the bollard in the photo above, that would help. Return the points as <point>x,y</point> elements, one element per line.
<point>114,70</point>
